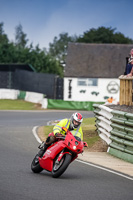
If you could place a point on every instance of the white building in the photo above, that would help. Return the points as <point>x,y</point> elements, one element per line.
<point>92,71</point>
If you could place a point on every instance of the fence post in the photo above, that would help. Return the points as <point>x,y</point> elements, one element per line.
<point>126,90</point>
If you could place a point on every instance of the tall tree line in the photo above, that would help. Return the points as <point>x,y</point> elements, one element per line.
<point>21,53</point>
<point>53,60</point>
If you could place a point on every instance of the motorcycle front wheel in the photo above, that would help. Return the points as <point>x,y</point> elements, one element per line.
<point>35,166</point>
<point>60,167</point>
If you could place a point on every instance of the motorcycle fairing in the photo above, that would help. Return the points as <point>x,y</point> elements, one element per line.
<point>46,161</point>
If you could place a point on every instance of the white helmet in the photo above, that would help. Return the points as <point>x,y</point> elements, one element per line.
<point>77,117</point>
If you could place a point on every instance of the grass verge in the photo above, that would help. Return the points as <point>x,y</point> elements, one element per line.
<point>8,104</point>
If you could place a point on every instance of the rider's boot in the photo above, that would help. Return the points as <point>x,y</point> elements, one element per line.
<point>42,148</point>
<point>45,145</point>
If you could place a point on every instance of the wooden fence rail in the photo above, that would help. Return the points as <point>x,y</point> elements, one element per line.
<point>126,91</point>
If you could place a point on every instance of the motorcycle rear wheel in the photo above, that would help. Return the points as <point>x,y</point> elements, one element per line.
<point>35,166</point>
<point>59,169</point>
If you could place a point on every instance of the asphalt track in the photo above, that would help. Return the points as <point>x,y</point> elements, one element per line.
<point>80,181</point>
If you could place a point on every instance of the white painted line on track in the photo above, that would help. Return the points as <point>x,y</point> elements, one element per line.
<point>108,170</point>
<point>35,134</point>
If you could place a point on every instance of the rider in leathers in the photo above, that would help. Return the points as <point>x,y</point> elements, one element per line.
<point>72,124</point>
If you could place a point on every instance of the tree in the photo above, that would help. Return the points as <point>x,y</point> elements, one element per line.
<point>3,36</point>
<point>44,62</point>
<point>104,35</point>
<point>6,48</point>
<point>20,52</point>
<point>58,49</point>
<point>20,37</point>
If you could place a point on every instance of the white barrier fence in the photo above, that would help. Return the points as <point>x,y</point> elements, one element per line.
<point>29,96</point>
<point>9,94</point>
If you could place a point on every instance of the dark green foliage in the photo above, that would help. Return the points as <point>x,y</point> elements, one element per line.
<point>104,35</point>
<point>58,48</point>
<point>20,37</point>
<point>20,52</point>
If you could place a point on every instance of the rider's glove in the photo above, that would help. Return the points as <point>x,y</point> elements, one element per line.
<point>58,135</point>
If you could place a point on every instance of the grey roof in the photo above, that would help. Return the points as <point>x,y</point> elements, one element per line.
<point>96,60</point>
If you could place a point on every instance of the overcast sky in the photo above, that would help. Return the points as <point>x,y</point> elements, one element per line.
<point>42,20</point>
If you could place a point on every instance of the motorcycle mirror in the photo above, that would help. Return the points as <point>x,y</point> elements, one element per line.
<point>85,144</point>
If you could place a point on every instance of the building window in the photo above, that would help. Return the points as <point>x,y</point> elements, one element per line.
<point>92,81</point>
<point>87,82</point>
<point>82,81</point>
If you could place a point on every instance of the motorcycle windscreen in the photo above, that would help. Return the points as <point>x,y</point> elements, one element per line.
<point>75,133</point>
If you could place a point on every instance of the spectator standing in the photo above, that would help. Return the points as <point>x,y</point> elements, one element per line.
<point>128,63</point>
<point>129,68</point>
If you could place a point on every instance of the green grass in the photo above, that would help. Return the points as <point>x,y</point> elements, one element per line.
<point>88,126</point>
<point>89,130</point>
<point>7,104</point>
<point>47,130</point>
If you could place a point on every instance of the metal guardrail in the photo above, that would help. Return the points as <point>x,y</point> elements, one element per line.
<point>116,129</point>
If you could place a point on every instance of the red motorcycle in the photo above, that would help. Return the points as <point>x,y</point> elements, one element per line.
<point>59,155</point>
